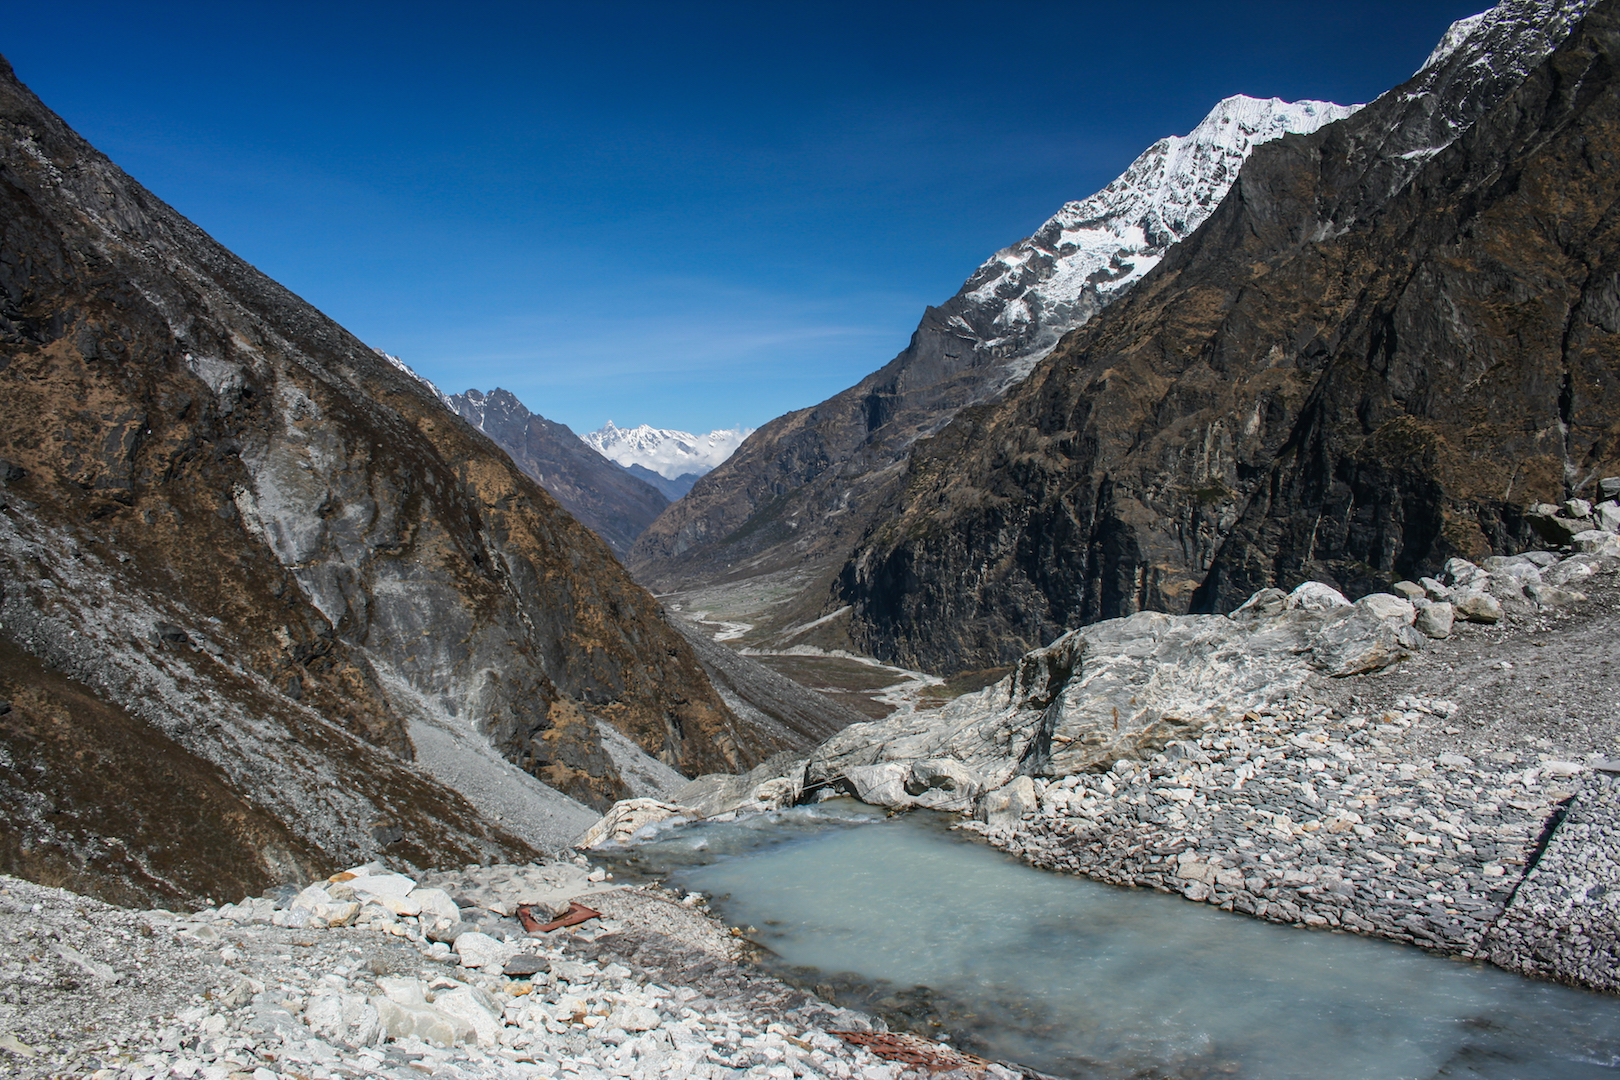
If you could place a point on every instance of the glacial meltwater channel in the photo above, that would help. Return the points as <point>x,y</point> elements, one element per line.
<point>1081,979</point>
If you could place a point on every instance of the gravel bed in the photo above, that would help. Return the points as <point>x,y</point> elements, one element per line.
<point>1310,820</point>
<point>373,974</point>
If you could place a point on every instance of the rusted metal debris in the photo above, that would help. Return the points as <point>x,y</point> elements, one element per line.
<point>913,1050</point>
<point>577,913</point>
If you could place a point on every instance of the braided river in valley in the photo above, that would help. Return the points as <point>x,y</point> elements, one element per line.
<point>947,936</point>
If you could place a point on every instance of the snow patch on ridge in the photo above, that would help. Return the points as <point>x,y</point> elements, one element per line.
<point>1452,40</point>
<point>1511,38</point>
<point>444,398</point>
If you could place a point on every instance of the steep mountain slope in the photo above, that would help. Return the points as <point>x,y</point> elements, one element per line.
<point>1384,344</point>
<point>602,496</point>
<point>796,495</point>
<point>1021,301</point>
<point>276,562</point>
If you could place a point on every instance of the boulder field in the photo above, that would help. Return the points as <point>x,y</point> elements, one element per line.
<point>373,973</point>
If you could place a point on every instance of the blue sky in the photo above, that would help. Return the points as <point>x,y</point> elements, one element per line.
<point>690,215</point>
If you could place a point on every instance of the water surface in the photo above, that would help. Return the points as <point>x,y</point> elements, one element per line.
<point>1082,979</point>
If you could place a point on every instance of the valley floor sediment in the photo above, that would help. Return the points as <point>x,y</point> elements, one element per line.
<point>1462,800</point>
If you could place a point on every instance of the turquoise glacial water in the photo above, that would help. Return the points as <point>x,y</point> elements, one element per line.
<point>1081,979</point>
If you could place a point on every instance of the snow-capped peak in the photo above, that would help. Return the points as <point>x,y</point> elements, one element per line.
<point>1027,296</point>
<point>1512,37</point>
<point>670,454</point>
<point>1479,61</point>
<point>1452,40</point>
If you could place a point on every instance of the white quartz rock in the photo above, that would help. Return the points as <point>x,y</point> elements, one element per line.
<point>474,1007</point>
<point>436,902</point>
<point>479,950</point>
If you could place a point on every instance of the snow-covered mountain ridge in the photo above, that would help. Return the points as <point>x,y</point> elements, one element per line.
<point>1513,37</point>
<point>671,454</point>
<point>1025,297</point>
<point>1493,50</point>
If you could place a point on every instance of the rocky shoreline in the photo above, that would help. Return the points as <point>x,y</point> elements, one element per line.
<point>369,974</point>
<point>1401,804</point>
<point>1431,766</point>
<point>1319,822</point>
<point>1454,791</point>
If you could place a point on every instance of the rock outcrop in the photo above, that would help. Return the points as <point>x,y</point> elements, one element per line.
<point>601,495</point>
<point>283,572</point>
<point>1394,337</point>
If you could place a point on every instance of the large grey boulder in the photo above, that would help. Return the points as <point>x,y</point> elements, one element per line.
<point>1371,634</point>
<point>1122,688</point>
<point>882,784</point>
<point>773,784</point>
<point>1555,524</point>
<point>1552,597</point>
<point>944,784</point>
<point>1005,807</point>
<point>1597,542</point>
<point>1478,607</point>
<point>1607,516</point>
<point>936,783</point>
<point>627,817</point>
<point>1573,570</point>
<point>1435,619</point>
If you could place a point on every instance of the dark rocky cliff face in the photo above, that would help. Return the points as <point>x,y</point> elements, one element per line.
<point>1371,358</point>
<point>603,497</point>
<point>224,518</point>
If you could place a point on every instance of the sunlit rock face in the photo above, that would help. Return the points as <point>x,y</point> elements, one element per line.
<point>601,495</point>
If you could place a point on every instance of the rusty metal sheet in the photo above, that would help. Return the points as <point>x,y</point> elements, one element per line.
<point>577,913</point>
<point>912,1050</point>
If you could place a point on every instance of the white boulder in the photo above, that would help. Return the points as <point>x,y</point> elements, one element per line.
<point>627,817</point>
<point>479,950</point>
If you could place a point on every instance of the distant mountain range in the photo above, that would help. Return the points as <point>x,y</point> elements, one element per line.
<point>671,461</point>
<point>615,481</point>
